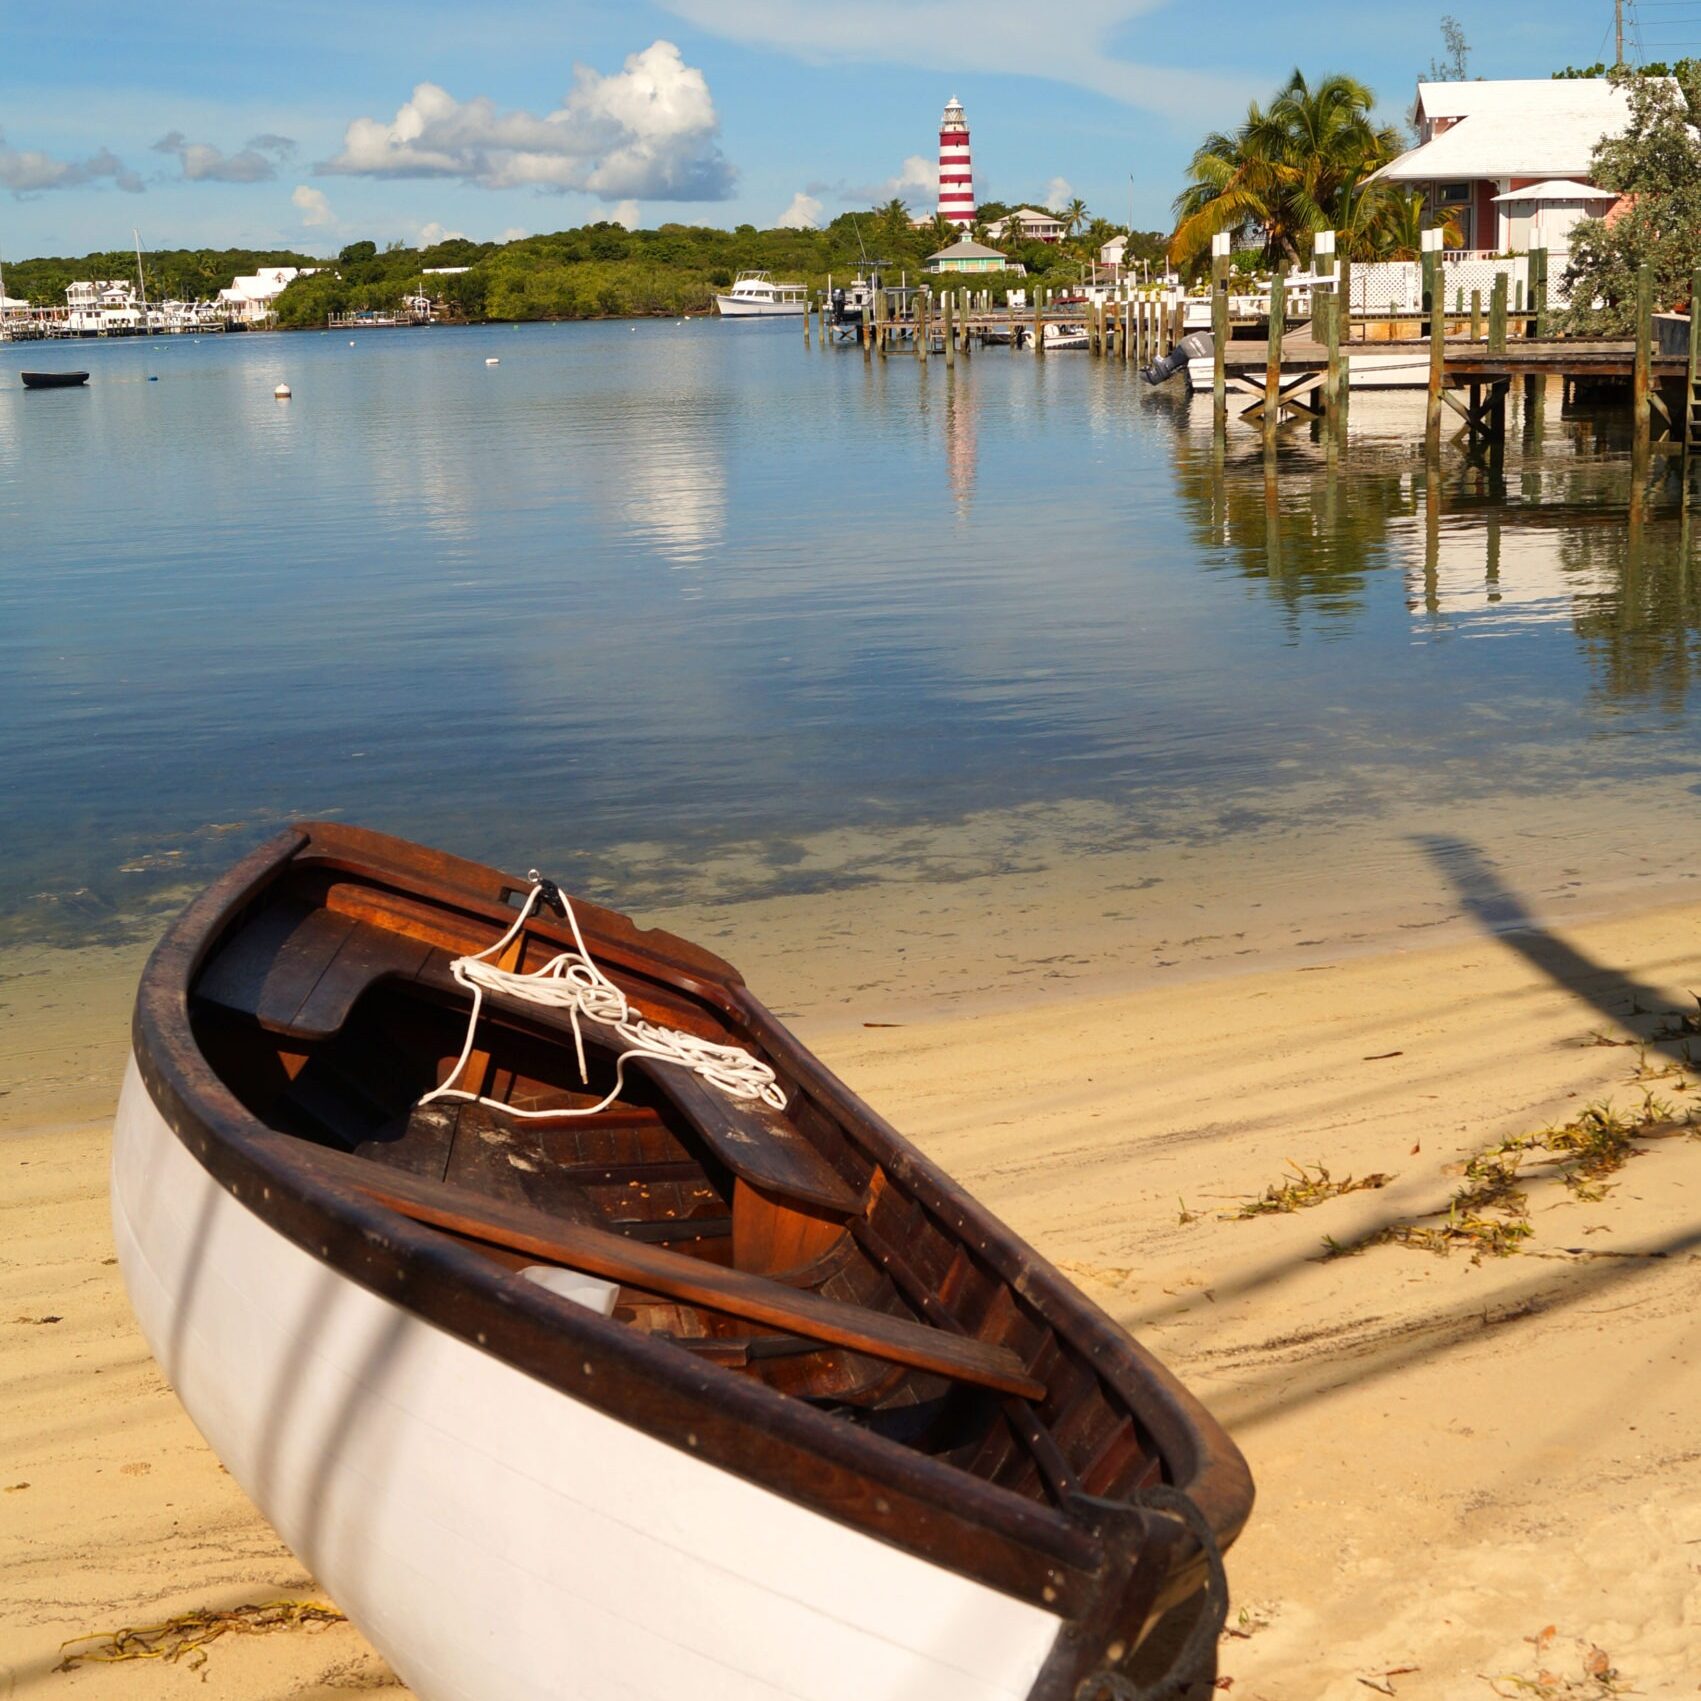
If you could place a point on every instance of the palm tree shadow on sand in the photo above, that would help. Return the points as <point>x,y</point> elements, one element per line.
<point>1550,1287</point>
<point>1616,995</point>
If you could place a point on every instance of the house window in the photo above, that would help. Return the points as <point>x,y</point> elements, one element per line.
<point>1453,194</point>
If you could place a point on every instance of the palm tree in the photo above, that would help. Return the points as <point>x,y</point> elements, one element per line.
<point>1074,215</point>
<point>1388,221</point>
<point>1298,166</point>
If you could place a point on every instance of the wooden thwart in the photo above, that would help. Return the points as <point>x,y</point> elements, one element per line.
<point>757,1144</point>
<point>599,1252</point>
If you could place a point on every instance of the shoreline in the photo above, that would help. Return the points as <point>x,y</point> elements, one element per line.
<point>1451,1456</point>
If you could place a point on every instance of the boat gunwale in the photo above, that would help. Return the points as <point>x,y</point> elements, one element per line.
<point>923,1506</point>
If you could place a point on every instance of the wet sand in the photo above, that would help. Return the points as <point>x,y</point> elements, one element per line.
<point>1472,1475</point>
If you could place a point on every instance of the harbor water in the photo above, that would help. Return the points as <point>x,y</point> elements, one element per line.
<point>702,620</point>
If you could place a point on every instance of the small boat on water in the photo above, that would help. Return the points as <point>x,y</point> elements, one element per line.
<point>586,1337</point>
<point>1065,336</point>
<point>755,295</point>
<point>53,380</point>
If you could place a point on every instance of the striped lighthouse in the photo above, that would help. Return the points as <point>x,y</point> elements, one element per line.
<point>956,176</point>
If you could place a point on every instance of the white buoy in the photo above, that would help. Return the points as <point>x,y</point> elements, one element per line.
<point>282,392</point>
<point>491,360</point>
<point>351,342</point>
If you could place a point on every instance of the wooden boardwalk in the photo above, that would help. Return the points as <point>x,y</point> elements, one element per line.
<point>1465,358</point>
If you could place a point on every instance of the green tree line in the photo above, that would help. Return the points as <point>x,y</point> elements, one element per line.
<point>181,274</point>
<point>595,271</point>
<point>606,271</point>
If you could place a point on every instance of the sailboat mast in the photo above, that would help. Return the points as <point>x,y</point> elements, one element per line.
<point>141,282</point>
<point>3,332</point>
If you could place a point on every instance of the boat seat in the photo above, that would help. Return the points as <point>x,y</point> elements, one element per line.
<point>299,969</point>
<point>757,1144</point>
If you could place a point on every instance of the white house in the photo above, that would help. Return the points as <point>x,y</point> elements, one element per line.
<point>1510,159</point>
<point>250,299</point>
<point>1027,224</point>
<point>103,305</point>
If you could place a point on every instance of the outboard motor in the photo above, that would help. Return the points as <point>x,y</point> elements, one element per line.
<point>839,306</point>
<point>1197,345</point>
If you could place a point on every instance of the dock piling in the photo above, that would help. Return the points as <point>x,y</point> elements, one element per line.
<point>1326,316</point>
<point>1639,381</point>
<point>1273,354</point>
<point>1497,317</point>
<point>1692,373</point>
<point>1437,348</point>
<point>1219,332</point>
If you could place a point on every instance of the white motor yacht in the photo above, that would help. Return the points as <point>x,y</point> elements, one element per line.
<point>755,295</point>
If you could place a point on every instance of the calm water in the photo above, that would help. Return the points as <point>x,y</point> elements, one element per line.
<point>671,608</point>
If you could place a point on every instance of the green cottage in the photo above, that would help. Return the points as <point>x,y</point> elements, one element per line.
<point>967,256</point>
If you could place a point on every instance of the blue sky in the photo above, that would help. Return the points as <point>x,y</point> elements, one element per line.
<point>299,125</point>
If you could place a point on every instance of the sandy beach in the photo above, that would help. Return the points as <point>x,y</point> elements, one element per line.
<point>1477,1475</point>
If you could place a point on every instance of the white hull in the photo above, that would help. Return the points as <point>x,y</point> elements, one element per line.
<point>495,1539</point>
<point>732,308</point>
<point>1392,367</point>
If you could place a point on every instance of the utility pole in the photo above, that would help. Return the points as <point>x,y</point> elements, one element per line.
<point>1618,31</point>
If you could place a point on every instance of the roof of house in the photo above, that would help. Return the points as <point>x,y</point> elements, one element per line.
<point>1030,213</point>
<point>966,250</point>
<point>1523,127</point>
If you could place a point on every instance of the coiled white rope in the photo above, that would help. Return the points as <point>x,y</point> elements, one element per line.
<point>573,982</point>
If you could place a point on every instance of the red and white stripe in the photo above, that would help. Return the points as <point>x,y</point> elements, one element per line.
<point>956,175</point>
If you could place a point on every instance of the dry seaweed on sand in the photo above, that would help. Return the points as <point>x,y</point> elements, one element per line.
<point>1304,1187</point>
<point>1490,1213</point>
<point>188,1633</point>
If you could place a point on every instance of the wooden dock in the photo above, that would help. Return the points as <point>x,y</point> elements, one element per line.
<point>1471,359</point>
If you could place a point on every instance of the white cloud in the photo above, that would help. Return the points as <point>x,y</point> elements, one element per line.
<point>804,213</point>
<point>27,172</point>
<point>1059,192</point>
<point>431,234</point>
<point>990,36</point>
<point>648,131</point>
<point>916,179</point>
<point>513,234</point>
<point>314,208</point>
<point>203,163</point>
<point>626,213</point>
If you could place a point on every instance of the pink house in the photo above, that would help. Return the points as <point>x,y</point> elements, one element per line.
<point>1510,159</point>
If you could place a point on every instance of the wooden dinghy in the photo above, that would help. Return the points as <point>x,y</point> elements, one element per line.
<point>689,1396</point>
<point>53,380</point>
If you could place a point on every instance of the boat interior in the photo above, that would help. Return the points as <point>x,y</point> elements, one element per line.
<point>795,1248</point>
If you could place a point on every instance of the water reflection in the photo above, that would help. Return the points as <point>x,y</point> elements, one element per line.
<point>667,480</point>
<point>960,443</point>
<point>1559,535</point>
<point>446,598</point>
